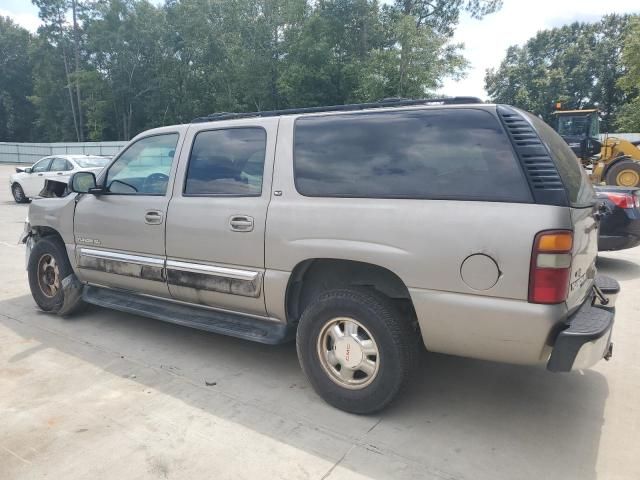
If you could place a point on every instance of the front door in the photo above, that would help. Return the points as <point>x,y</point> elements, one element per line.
<point>120,234</point>
<point>33,182</point>
<point>216,219</point>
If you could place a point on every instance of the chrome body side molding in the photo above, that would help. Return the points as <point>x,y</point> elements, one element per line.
<point>198,276</point>
<point>247,283</point>
<point>137,266</point>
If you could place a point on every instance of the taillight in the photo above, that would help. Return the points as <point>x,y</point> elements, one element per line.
<point>550,266</point>
<point>624,200</point>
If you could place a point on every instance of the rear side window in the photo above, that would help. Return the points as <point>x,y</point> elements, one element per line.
<point>60,165</point>
<point>227,162</point>
<point>460,154</point>
<point>574,178</point>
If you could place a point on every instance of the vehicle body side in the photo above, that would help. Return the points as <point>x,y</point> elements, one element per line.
<point>411,249</point>
<point>32,183</point>
<point>619,227</point>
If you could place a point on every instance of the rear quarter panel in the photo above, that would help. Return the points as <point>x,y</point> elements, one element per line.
<point>424,242</point>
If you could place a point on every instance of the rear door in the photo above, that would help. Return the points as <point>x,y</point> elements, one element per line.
<point>60,170</point>
<point>120,234</point>
<point>216,219</point>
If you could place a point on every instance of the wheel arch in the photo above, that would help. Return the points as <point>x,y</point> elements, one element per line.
<point>312,276</point>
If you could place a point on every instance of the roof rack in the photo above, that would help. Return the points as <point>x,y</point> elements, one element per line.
<point>387,102</point>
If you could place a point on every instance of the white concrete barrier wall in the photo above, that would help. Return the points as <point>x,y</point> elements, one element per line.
<point>632,137</point>
<point>32,152</point>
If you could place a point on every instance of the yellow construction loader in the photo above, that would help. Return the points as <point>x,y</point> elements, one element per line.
<point>610,160</point>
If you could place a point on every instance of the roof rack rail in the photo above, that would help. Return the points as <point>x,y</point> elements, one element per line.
<point>387,102</point>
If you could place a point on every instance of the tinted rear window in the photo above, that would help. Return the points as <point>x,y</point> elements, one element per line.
<point>574,177</point>
<point>438,153</point>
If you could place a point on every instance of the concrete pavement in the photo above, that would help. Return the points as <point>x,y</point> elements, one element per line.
<point>107,395</point>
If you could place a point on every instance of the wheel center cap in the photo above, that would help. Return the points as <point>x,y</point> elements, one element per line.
<point>348,352</point>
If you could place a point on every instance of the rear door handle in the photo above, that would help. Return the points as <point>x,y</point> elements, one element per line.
<point>153,217</point>
<point>241,223</point>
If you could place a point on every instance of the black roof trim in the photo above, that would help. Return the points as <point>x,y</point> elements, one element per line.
<point>390,102</point>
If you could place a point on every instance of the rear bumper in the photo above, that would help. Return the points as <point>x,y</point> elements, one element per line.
<point>619,230</point>
<point>587,337</point>
<point>607,243</point>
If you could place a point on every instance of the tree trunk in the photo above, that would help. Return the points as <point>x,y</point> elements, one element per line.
<point>73,108</point>
<point>76,46</point>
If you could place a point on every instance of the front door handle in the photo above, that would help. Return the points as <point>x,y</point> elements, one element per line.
<point>241,223</point>
<point>153,217</point>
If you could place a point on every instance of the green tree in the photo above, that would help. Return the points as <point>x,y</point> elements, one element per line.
<point>16,112</point>
<point>108,69</point>
<point>66,40</point>
<point>629,82</point>
<point>578,64</point>
<point>125,45</point>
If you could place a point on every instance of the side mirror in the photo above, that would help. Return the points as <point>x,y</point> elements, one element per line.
<point>84,182</point>
<point>28,170</point>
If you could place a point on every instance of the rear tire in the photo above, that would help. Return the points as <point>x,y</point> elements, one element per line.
<point>356,350</point>
<point>47,267</point>
<point>18,193</point>
<point>625,173</point>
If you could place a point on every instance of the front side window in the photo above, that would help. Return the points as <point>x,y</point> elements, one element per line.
<point>460,154</point>
<point>227,162</point>
<point>144,167</point>
<point>41,166</point>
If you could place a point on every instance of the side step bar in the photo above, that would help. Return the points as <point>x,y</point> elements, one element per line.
<point>225,323</point>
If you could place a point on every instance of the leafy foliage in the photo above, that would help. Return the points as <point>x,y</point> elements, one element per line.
<point>16,111</point>
<point>139,65</point>
<point>629,82</point>
<point>578,64</point>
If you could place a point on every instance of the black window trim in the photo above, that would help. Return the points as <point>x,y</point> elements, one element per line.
<point>456,197</point>
<point>214,195</point>
<point>105,172</point>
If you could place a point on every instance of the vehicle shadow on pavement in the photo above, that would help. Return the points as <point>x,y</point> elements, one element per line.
<point>618,268</point>
<point>459,418</point>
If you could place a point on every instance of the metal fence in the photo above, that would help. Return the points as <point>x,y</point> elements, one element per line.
<point>32,152</point>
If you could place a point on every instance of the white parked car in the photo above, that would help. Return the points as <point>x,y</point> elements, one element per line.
<point>27,183</point>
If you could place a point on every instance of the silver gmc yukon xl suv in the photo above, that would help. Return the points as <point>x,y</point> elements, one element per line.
<point>362,231</point>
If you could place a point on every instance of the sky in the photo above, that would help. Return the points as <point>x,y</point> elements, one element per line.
<point>485,41</point>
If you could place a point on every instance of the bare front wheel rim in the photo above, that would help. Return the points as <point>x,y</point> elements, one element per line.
<point>348,353</point>
<point>48,275</point>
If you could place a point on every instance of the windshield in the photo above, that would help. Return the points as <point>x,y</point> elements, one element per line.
<point>92,162</point>
<point>574,126</point>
